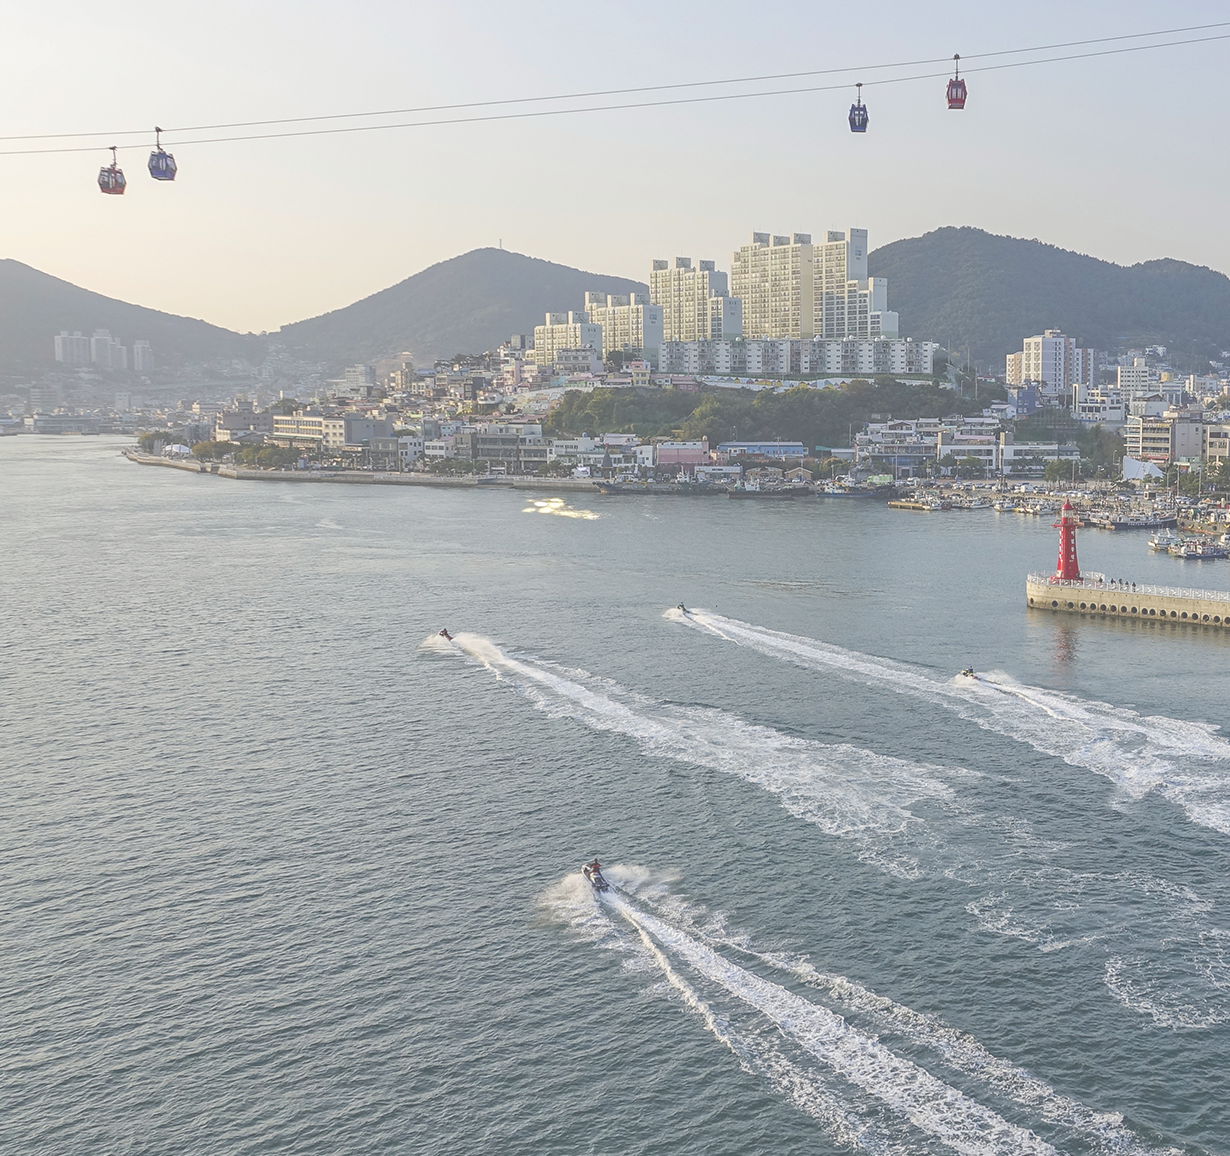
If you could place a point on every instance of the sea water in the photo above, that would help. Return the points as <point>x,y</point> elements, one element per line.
<point>283,870</point>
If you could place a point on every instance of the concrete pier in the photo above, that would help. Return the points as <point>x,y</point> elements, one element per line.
<point>1090,596</point>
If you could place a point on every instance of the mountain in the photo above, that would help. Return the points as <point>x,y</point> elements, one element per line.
<point>963,286</point>
<point>464,305</point>
<point>35,306</point>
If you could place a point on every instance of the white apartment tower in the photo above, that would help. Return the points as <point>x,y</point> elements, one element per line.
<point>1051,359</point>
<point>72,348</point>
<point>572,330</point>
<point>688,296</point>
<point>142,356</point>
<point>107,352</point>
<point>849,303</point>
<point>773,277</point>
<point>792,287</point>
<point>630,323</point>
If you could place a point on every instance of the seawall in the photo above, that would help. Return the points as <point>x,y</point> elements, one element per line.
<point>1172,603</point>
<point>363,477</point>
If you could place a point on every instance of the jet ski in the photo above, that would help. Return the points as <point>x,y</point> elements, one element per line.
<point>445,634</point>
<point>968,672</point>
<point>593,872</point>
<point>683,609</point>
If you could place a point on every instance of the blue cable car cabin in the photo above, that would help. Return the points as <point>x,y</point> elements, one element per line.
<point>858,112</point>
<point>111,178</point>
<point>162,165</point>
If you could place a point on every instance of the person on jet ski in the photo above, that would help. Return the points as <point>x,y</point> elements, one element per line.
<point>596,867</point>
<point>445,634</point>
<point>682,608</point>
<point>968,672</point>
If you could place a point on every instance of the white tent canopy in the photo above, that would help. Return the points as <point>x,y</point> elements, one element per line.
<point>1136,471</point>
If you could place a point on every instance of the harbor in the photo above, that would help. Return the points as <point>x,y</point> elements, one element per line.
<point>1069,590</point>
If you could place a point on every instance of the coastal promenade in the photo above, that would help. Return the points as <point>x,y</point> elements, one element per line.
<point>364,477</point>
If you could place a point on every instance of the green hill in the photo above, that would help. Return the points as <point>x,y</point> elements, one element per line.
<point>964,286</point>
<point>464,305</point>
<point>35,306</point>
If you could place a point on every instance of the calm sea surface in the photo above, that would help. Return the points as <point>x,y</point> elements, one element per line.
<point>281,871</point>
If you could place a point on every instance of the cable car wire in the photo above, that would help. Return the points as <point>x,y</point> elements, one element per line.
<point>651,87</point>
<point>540,113</point>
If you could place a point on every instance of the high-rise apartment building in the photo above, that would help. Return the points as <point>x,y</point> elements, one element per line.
<point>72,348</point>
<point>631,324</point>
<point>792,287</point>
<point>1051,359</point>
<point>107,353</point>
<point>142,356</point>
<point>773,276</point>
<point>572,330</point>
<point>686,294</point>
<point>845,297</point>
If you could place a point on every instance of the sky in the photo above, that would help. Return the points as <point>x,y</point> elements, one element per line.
<point>1121,157</point>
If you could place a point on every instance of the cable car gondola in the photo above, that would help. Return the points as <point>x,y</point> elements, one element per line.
<point>111,177</point>
<point>162,165</point>
<point>956,86</point>
<point>858,111</point>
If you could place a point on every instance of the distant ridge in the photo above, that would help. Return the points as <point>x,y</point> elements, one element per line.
<point>967,286</point>
<point>464,305</point>
<point>35,306</point>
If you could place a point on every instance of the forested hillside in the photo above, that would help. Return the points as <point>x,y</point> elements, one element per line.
<point>967,287</point>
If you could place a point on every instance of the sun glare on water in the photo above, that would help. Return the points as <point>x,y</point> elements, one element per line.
<point>560,507</point>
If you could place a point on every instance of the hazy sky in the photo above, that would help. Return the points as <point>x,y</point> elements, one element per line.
<point>1123,157</point>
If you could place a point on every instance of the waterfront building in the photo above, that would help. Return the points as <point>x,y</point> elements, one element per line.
<point>631,324</point>
<point>695,301</point>
<point>683,454</point>
<point>572,330</point>
<point>72,348</point>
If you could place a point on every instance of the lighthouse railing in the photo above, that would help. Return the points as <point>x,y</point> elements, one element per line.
<point>1161,591</point>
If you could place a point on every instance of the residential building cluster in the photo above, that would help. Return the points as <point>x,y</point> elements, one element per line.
<point>788,306</point>
<point>101,351</point>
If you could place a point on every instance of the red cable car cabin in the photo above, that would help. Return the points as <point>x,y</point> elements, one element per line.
<point>957,91</point>
<point>111,178</point>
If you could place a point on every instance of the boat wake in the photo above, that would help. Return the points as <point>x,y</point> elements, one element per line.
<point>911,821</point>
<point>822,1052</point>
<point>1188,763</point>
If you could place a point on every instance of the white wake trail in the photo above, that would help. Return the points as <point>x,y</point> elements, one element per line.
<point>867,799</point>
<point>928,1103</point>
<point>845,790</point>
<point>1139,753</point>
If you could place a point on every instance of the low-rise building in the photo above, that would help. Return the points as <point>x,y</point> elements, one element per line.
<point>777,449</point>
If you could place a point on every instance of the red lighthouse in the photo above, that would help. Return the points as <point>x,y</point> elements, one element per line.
<point>1067,570</point>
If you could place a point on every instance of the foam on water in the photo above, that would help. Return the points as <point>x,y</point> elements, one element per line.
<point>571,901</point>
<point>845,790</point>
<point>1139,753</point>
<point>866,799</point>
<point>929,1104</point>
<point>1103,1131</point>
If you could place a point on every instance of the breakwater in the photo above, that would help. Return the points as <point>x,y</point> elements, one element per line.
<point>1090,596</point>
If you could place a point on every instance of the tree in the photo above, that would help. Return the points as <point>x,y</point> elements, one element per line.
<point>212,450</point>
<point>285,405</point>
